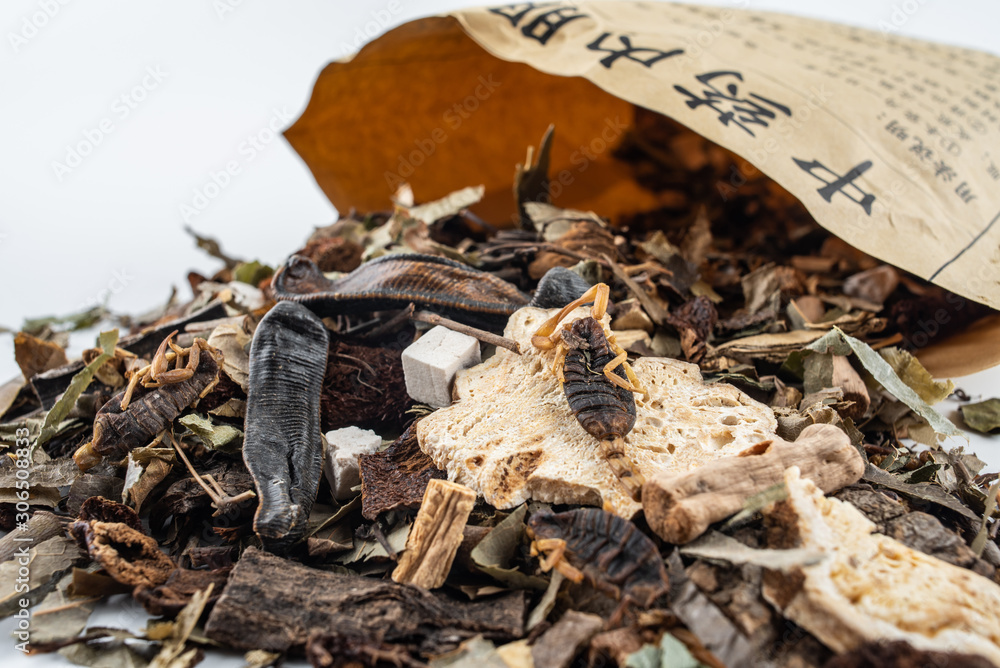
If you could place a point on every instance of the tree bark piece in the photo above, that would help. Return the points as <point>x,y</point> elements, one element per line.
<point>681,506</point>
<point>846,378</point>
<point>273,604</point>
<point>557,647</point>
<point>436,535</point>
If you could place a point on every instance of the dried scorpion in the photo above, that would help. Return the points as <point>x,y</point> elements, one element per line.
<point>127,421</point>
<point>597,380</point>
<point>611,552</point>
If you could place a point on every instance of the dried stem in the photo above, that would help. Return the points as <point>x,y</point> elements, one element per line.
<point>220,499</point>
<point>484,336</point>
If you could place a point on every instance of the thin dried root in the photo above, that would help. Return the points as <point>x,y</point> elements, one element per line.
<point>221,501</point>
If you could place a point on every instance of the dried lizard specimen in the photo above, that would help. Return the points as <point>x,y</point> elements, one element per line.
<point>450,288</point>
<point>283,448</point>
<point>610,552</point>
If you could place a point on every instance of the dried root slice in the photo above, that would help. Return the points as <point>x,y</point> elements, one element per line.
<point>871,587</point>
<point>436,535</point>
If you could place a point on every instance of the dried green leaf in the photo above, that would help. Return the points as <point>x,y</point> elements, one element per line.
<point>46,563</point>
<point>912,372</point>
<point>547,602</point>
<point>72,322</point>
<point>367,549</point>
<point>252,273</point>
<point>221,437</point>
<point>984,416</point>
<point>493,554</point>
<point>51,473</point>
<point>757,503</point>
<point>60,616</point>
<point>720,547</point>
<point>924,490</point>
<point>671,653</point>
<point>58,413</point>
<point>838,343</point>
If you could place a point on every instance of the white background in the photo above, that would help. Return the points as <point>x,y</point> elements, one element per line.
<point>112,225</point>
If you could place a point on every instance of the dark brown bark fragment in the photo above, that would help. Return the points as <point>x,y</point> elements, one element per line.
<point>274,604</point>
<point>396,477</point>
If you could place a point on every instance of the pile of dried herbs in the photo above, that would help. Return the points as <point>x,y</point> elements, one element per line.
<point>160,503</point>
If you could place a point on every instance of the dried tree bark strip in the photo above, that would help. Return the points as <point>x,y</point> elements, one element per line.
<point>273,604</point>
<point>436,535</point>
<point>681,506</point>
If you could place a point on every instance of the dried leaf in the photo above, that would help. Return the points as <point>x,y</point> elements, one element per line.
<point>60,616</point>
<point>33,355</point>
<point>46,563</point>
<point>58,413</point>
<point>107,648</point>
<point>984,417</point>
<point>547,602</point>
<point>147,468</point>
<point>912,372</point>
<point>449,205</point>
<point>671,653</point>
<point>252,273</point>
<point>494,553</point>
<point>221,437</point>
<point>720,547</point>
<point>838,343</point>
<point>473,653</point>
<point>233,342</point>
<point>173,655</point>
<point>925,491</point>
<point>72,322</point>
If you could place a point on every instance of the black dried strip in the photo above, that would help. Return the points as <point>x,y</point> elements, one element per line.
<point>283,449</point>
<point>444,286</point>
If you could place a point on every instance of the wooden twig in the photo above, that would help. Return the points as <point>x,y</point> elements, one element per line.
<point>484,336</point>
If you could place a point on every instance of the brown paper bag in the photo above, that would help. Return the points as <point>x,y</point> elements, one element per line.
<point>893,144</point>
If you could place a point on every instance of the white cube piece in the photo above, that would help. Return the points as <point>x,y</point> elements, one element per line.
<point>341,462</point>
<point>430,364</point>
